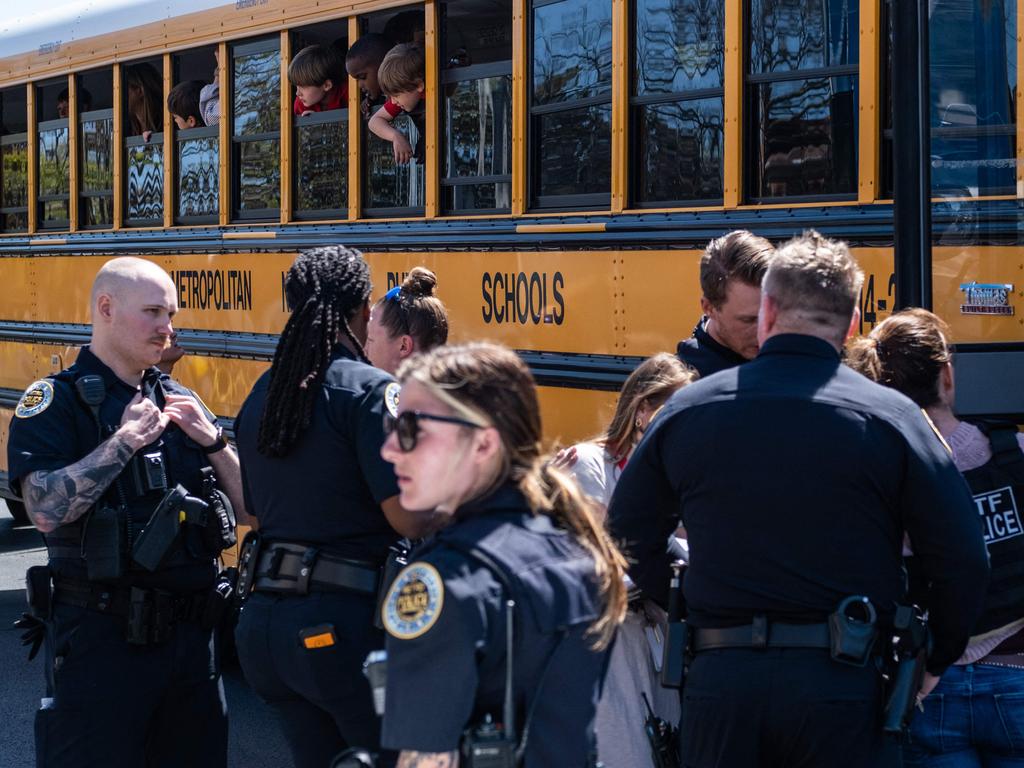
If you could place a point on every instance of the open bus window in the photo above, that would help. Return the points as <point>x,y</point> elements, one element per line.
<point>389,188</point>
<point>143,103</point>
<point>54,170</point>
<point>801,98</point>
<point>676,102</point>
<point>256,159</point>
<point>95,101</point>
<point>476,116</point>
<point>570,104</point>
<point>973,79</point>
<point>14,159</point>
<point>320,139</point>
<point>197,166</point>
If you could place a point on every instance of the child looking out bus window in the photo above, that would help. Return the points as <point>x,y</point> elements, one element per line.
<point>144,86</point>
<point>183,104</point>
<point>401,78</point>
<point>318,75</point>
<point>362,62</point>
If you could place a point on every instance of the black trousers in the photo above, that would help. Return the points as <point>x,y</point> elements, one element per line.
<point>320,696</point>
<point>115,704</point>
<point>782,708</point>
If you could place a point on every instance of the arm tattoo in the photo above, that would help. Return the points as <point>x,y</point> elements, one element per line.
<point>61,496</point>
<point>428,759</point>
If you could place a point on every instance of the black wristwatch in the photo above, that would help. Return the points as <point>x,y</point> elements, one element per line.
<point>219,443</point>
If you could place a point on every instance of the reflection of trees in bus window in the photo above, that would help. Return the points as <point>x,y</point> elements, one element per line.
<point>806,139</point>
<point>145,182</point>
<point>680,151</point>
<point>575,151</point>
<point>973,83</point>
<point>53,162</point>
<point>390,185</point>
<point>15,175</point>
<point>257,93</point>
<point>198,177</point>
<point>97,155</point>
<point>679,45</point>
<point>787,35</point>
<point>321,166</point>
<point>259,175</point>
<point>572,50</point>
<point>477,197</point>
<point>97,211</point>
<point>478,124</point>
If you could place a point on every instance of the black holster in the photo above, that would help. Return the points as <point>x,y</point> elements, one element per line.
<point>910,650</point>
<point>674,656</point>
<point>397,559</point>
<point>248,558</point>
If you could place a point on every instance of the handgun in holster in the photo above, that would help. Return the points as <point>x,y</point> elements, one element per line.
<point>910,649</point>
<point>175,508</point>
<point>673,663</point>
<point>219,523</point>
<point>248,561</point>
<point>39,591</point>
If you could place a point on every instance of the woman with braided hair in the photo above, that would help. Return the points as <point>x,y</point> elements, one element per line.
<point>309,437</point>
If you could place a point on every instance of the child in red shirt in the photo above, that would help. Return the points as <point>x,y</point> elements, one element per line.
<point>317,71</point>
<point>401,77</point>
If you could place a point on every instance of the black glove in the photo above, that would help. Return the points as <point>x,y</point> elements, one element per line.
<point>34,635</point>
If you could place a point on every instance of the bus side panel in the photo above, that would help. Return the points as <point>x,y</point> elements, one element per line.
<point>953,266</point>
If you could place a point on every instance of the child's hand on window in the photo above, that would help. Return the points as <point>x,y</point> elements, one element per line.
<point>146,135</point>
<point>307,112</point>
<point>403,150</point>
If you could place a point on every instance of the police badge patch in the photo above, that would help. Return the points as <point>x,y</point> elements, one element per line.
<point>414,601</point>
<point>37,398</point>
<point>391,393</point>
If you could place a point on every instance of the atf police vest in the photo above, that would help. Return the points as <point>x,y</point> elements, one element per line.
<point>998,489</point>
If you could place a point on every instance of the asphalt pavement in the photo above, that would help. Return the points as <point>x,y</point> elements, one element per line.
<point>255,739</point>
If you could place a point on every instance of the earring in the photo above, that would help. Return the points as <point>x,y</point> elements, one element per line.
<point>638,423</point>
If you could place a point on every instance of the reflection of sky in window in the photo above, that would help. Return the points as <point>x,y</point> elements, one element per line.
<point>572,50</point>
<point>198,177</point>
<point>257,93</point>
<point>679,45</point>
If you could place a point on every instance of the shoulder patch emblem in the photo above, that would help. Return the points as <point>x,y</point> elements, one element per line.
<point>37,398</point>
<point>391,394</point>
<point>414,602</point>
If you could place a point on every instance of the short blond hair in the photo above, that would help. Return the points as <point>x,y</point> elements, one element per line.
<point>816,281</point>
<point>402,70</point>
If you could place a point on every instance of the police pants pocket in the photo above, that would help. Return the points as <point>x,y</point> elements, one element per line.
<point>926,728</point>
<point>1010,708</point>
<point>61,738</point>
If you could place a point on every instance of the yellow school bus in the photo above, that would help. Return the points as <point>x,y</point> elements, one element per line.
<point>574,158</point>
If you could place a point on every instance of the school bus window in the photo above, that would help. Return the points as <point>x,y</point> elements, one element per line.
<point>390,187</point>
<point>973,87</point>
<point>54,171</point>
<point>197,144</point>
<point>143,106</point>
<point>801,98</point>
<point>95,91</point>
<point>256,159</point>
<point>570,103</point>
<point>676,103</point>
<point>320,140</point>
<point>14,159</point>
<point>476,78</point>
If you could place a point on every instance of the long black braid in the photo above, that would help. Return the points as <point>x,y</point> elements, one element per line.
<point>325,287</point>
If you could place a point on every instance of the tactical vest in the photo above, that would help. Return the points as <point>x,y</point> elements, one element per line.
<point>998,489</point>
<point>126,506</point>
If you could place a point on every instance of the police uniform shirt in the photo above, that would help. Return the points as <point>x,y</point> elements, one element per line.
<point>446,623</point>
<point>795,478</point>
<point>327,490</point>
<point>53,428</point>
<point>705,354</point>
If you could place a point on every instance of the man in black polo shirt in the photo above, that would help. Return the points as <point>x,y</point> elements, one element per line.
<point>796,479</point>
<point>730,278</point>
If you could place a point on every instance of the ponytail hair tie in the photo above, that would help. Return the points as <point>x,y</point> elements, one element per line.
<point>393,293</point>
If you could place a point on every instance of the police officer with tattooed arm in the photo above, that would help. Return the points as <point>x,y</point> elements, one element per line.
<point>132,484</point>
<point>796,478</point>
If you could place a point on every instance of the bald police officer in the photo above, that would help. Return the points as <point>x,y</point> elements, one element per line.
<point>795,479</point>
<point>132,674</point>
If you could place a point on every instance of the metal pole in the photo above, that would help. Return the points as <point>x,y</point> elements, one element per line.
<point>912,218</point>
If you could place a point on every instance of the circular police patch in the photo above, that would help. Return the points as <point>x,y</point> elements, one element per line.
<point>37,398</point>
<point>391,393</point>
<point>414,601</point>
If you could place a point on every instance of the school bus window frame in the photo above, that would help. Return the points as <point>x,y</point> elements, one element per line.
<point>334,116</point>
<point>92,116</point>
<point>180,137</point>
<point>16,138</point>
<point>57,123</point>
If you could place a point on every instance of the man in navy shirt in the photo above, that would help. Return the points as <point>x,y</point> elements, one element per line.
<point>730,279</point>
<point>795,479</point>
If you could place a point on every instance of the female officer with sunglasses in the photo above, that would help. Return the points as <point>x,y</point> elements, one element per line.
<point>309,437</point>
<point>519,560</point>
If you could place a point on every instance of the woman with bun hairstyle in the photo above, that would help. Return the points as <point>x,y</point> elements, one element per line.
<point>408,319</point>
<point>519,558</point>
<point>975,714</point>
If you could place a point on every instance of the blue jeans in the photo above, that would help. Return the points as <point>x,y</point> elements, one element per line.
<point>973,718</point>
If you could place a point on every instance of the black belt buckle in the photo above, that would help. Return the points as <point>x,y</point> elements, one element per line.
<point>276,557</point>
<point>137,629</point>
<point>759,633</point>
<point>309,558</point>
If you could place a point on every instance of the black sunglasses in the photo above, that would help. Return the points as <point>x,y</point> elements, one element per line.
<point>407,426</point>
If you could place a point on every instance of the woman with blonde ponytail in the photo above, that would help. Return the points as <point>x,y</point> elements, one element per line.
<point>520,557</point>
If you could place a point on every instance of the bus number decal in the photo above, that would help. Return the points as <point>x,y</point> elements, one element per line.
<point>523,298</point>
